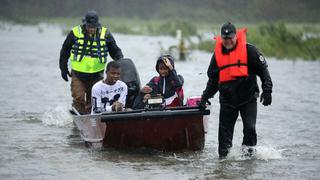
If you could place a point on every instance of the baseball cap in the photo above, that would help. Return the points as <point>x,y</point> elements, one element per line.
<point>91,19</point>
<point>228,30</point>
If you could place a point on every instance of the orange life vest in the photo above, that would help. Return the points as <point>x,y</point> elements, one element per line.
<point>233,64</point>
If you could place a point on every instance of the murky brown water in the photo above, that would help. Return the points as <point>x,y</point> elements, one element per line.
<point>38,140</point>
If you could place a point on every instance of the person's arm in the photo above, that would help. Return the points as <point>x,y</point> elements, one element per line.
<point>154,87</point>
<point>176,81</point>
<point>144,94</point>
<point>123,95</point>
<point>64,56</point>
<point>212,83</point>
<point>259,66</point>
<point>65,51</point>
<point>119,100</point>
<point>96,101</point>
<point>114,51</point>
<point>139,102</point>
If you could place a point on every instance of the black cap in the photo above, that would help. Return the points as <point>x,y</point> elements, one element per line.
<point>91,19</point>
<point>228,30</point>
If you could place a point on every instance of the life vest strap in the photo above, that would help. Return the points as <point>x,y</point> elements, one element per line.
<point>85,44</point>
<point>235,64</point>
<point>94,46</point>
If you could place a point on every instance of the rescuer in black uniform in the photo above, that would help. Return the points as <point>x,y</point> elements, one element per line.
<point>233,71</point>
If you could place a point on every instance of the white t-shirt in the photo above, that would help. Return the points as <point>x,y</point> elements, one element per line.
<point>103,95</point>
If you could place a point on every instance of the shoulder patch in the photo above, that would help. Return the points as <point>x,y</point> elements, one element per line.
<point>261,58</point>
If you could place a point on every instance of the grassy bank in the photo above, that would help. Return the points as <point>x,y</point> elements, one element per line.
<point>136,26</point>
<point>292,41</point>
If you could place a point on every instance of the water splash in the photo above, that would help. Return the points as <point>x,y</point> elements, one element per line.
<point>262,152</point>
<point>58,116</point>
<point>268,153</point>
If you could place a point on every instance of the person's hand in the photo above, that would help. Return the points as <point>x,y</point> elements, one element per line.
<point>146,97</point>
<point>99,110</point>
<point>117,106</point>
<point>146,89</point>
<point>202,104</point>
<point>266,98</point>
<point>167,62</point>
<point>65,73</point>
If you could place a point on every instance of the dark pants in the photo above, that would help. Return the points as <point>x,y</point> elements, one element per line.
<point>227,120</point>
<point>81,93</point>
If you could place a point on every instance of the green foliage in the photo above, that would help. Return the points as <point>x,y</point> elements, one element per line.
<point>276,40</point>
<point>123,29</point>
<point>206,10</point>
<point>170,28</point>
<point>137,26</point>
<point>206,45</point>
<point>273,39</point>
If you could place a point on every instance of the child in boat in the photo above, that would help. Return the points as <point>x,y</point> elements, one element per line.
<point>168,85</point>
<point>109,94</point>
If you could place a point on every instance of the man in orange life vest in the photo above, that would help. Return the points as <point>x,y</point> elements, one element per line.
<point>233,70</point>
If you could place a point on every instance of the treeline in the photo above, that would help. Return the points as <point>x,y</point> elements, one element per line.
<point>277,40</point>
<point>201,10</point>
<point>269,20</point>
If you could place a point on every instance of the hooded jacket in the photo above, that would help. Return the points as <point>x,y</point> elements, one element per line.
<point>166,86</point>
<point>173,83</point>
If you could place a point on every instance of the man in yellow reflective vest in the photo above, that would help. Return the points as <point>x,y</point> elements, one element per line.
<point>86,47</point>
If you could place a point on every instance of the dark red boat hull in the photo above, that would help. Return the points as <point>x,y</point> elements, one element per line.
<point>165,130</point>
<point>166,134</point>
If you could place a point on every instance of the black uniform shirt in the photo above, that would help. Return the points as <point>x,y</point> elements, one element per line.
<point>243,89</point>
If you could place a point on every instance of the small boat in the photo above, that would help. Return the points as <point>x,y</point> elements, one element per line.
<point>172,129</point>
<point>164,129</point>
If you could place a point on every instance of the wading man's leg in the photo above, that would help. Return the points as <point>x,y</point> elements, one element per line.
<point>227,119</point>
<point>78,93</point>
<point>248,114</point>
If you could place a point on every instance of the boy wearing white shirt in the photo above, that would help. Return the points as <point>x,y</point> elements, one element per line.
<point>109,94</point>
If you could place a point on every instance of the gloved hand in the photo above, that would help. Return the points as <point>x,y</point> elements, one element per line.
<point>202,104</point>
<point>65,73</point>
<point>266,98</point>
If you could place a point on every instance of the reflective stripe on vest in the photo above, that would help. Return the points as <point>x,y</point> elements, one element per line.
<point>235,63</point>
<point>89,56</point>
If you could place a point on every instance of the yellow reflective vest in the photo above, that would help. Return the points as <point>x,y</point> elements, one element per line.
<point>89,55</point>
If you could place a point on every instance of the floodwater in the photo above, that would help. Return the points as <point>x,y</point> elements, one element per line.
<point>38,139</point>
